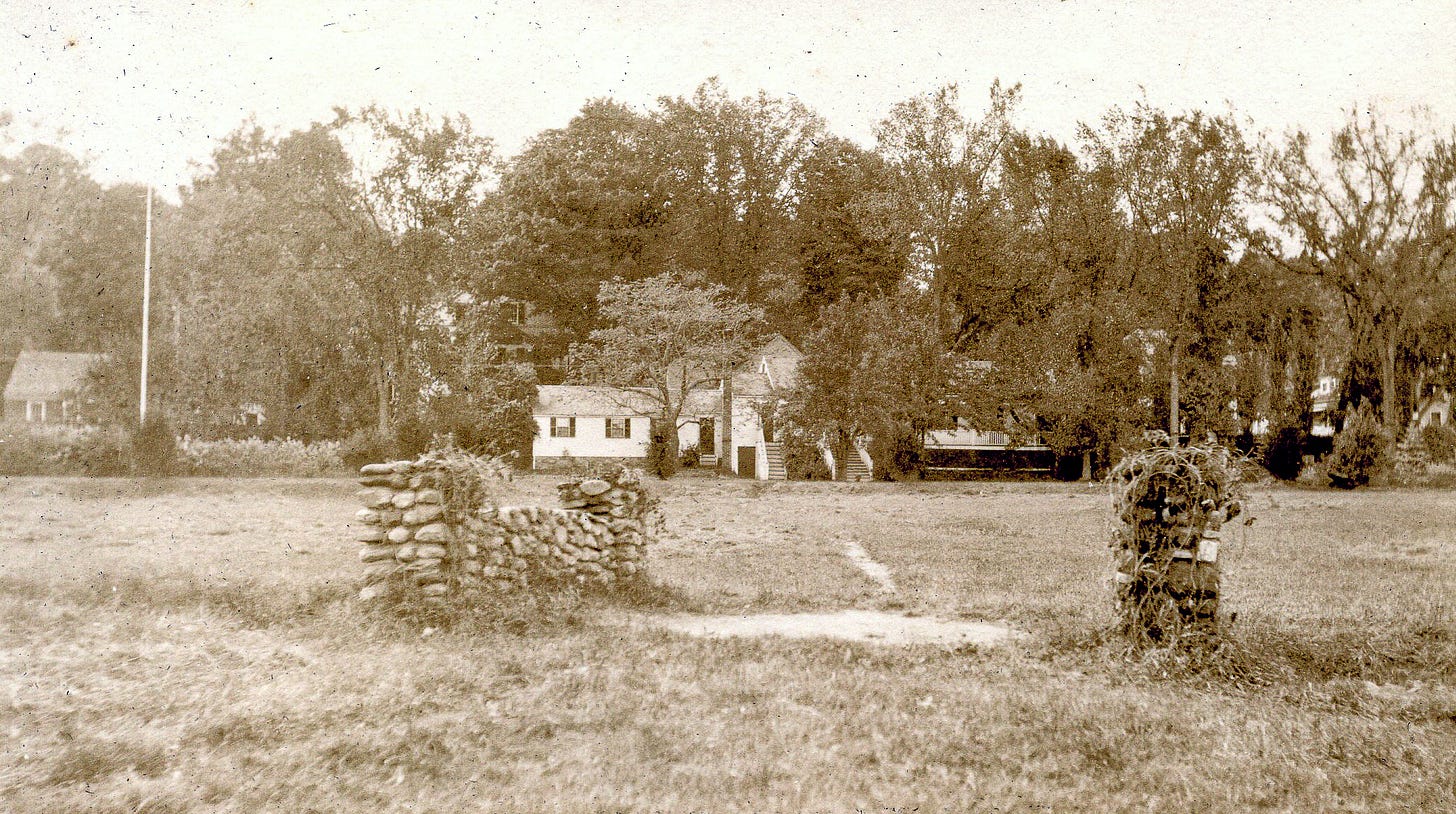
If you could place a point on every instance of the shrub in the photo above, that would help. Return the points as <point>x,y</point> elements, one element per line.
<point>1360,450</point>
<point>364,446</point>
<point>154,447</point>
<point>64,450</point>
<point>660,460</point>
<point>1440,442</point>
<point>1284,456</point>
<point>254,457</point>
<point>100,451</point>
<point>690,457</point>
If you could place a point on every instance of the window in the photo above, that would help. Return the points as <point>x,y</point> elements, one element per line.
<point>35,411</point>
<point>619,428</point>
<point>1436,419</point>
<point>563,427</point>
<point>515,312</point>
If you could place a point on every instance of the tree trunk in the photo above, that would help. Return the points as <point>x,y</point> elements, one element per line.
<point>1174,424</point>
<point>1389,404</point>
<point>725,432</point>
<point>381,389</point>
<point>1087,465</point>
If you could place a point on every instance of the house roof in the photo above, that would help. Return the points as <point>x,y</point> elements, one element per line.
<point>777,359</point>
<point>577,399</point>
<point>40,375</point>
<point>601,400</point>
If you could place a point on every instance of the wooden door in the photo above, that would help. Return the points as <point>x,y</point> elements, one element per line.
<point>747,462</point>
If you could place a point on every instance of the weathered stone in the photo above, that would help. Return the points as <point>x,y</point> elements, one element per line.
<point>376,571</point>
<point>369,534</point>
<point>422,514</point>
<point>406,552</point>
<point>390,516</point>
<point>426,551</point>
<point>369,593</point>
<point>402,467</point>
<point>434,533</point>
<point>375,553</point>
<point>376,480</point>
<point>403,500</point>
<point>429,496</point>
<point>436,589</point>
<point>559,536</point>
<point>366,516</point>
<point>400,534</point>
<point>471,566</point>
<point>375,469</point>
<point>594,487</point>
<point>375,498</point>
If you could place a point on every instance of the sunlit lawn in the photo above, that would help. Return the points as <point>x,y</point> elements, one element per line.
<point>194,646</point>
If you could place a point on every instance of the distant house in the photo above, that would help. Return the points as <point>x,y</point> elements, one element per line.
<point>600,424</point>
<point>1433,409</point>
<point>44,386</point>
<point>1323,401</point>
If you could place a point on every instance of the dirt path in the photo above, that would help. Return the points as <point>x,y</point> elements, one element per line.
<point>874,570</point>
<point>876,627</point>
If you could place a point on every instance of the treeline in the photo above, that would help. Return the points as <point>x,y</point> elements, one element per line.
<point>1164,269</point>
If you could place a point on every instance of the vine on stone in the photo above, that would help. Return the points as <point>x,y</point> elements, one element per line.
<point>1172,503</point>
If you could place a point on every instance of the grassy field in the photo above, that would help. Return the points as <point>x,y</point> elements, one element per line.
<point>193,645</point>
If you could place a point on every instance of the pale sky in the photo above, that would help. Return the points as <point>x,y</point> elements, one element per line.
<point>144,88</point>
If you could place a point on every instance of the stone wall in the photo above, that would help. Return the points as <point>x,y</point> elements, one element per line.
<point>413,541</point>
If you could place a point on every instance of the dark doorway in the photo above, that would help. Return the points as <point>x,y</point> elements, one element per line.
<point>747,462</point>
<point>707,436</point>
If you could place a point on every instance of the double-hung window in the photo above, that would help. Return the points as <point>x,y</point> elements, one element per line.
<point>619,428</point>
<point>563,427</point>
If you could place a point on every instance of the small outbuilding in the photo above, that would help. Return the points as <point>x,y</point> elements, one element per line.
<point>45,386</point>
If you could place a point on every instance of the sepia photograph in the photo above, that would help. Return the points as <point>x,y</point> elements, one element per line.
<point>650,407</point>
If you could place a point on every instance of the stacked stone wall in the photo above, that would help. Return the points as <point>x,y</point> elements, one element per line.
<point>412,541</point>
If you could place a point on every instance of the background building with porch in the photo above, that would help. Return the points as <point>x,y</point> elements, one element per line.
<point>45,386</point>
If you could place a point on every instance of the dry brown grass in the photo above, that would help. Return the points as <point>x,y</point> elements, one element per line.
<point>191,646</point>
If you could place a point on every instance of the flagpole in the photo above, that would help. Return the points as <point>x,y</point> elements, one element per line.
<point>146,302</point>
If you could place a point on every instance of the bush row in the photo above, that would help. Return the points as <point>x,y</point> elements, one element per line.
<point>111,451</point>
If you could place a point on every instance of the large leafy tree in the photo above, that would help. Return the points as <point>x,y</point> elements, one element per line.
<point>947,194</point>
<point>847,243</point>
<point>1185,182</point>
<point>879,369</point>
<point>43,191</point>
<point>1057,325</point>
<point>1374,218</point>
<point>581,205</point>
<point>731,167</point>
<point>663,338</point>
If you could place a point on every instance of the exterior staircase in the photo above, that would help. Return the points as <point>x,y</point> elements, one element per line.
<point>855,469</point>
<point>775,454</point>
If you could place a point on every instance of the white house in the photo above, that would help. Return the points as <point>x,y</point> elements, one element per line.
<point>599,424</point>
<point>1434,409</point>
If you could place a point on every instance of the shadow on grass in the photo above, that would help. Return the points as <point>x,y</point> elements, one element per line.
<point>548,606</point>
<point>251,604</point>
<point>1264,654</point>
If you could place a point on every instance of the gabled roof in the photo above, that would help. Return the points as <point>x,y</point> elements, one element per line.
<point>40,375</point>
<point>603,400</point>
<point>777,360</point>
